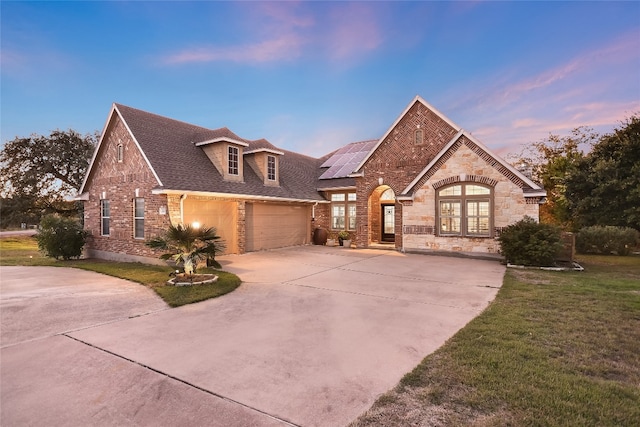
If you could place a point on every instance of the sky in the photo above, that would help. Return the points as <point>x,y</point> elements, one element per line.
<point>313,76</point>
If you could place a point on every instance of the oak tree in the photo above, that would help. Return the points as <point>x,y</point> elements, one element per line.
<point>40,174</point>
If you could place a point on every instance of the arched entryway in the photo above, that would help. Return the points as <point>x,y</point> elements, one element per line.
<point>382,212</point>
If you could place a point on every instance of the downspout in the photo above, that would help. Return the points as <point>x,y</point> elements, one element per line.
<point>313,211</point>
<point>182,197</point>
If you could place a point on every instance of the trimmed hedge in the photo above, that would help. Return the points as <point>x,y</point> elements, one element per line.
<point>607,240</point>
<point>530,243</point>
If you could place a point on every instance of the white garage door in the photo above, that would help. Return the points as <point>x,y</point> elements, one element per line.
<point>270,226</point>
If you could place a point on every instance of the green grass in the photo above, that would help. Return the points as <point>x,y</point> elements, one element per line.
<point>24,251</point>
<point>553,349</point>
<point>181,295</point>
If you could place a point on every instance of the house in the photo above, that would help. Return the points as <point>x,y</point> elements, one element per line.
<point>425,185</point>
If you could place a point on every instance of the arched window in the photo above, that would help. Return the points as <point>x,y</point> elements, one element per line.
<point>418,136</point>
<point>465,209</point>
<point>388,195</point>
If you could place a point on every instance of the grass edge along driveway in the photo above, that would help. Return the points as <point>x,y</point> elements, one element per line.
<point>23,250</point>
<point>554,348</point>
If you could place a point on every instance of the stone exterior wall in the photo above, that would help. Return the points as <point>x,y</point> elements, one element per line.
<point>463,164</point>
<point>118,181</point>
<point>397,161</point>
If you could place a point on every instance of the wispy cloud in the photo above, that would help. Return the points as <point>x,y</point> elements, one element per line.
<point>586,90</point>
<point>286,47</point>
<point>291,30</point>
<point>353,30</point>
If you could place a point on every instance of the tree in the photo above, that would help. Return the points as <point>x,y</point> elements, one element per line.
<point>41,173</point>
<point>604,187</point>
<point>188,245</point>
<point>551,160</point>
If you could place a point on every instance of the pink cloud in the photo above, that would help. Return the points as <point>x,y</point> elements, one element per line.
<point>353,29</point>
<point>287,30</point>
<point>283,48</point>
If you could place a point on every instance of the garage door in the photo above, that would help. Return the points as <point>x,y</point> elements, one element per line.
<point>212,213</point>
<point>270,226</point>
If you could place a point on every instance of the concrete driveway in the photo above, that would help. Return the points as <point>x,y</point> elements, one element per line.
<point>311,338</point>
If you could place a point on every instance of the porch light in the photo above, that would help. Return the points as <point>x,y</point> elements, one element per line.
<point>195,224</point>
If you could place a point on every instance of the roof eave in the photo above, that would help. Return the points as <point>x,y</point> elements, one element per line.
<point>541,193</point>
<point>221,139</point>
<point>234,195</point>
<point>265,150</point>
<point>352,187</point>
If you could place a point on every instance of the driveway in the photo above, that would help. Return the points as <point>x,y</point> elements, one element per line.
<point>312,337</point>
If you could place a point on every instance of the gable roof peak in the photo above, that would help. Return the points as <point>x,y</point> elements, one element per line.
<point>416,99</point>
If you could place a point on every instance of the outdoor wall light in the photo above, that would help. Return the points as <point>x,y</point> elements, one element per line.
<point>195,224</point>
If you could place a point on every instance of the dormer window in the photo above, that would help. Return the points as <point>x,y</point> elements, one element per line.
<point>233,160</point>
<point>271,168</point>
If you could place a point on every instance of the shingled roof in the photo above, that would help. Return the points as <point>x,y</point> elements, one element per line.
<point>169,146</point>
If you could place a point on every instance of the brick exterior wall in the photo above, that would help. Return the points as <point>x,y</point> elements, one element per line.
<point>119,181</point>
<point>398,160</point>
<point>322,218</point>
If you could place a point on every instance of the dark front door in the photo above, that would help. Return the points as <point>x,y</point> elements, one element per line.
<point>388,223</point>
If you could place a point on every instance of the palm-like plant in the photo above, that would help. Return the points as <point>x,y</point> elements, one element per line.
<point>187,245</point>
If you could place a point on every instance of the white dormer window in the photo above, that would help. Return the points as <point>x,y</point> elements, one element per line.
<point>271,168</point>
<point>233,160</point>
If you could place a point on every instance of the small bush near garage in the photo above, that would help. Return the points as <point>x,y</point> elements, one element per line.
<point>530,243</point>
<point>61,237</point>
<point>607,240</point>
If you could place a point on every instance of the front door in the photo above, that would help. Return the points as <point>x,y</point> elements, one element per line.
<point>388,223</point>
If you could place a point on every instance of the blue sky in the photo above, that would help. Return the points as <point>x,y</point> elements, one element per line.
<point>313,76</point>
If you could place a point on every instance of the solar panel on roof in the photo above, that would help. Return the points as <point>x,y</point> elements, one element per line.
<point>344,161</point>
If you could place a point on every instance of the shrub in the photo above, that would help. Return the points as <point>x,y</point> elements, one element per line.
<point>61,237</point>
<point>528,242</point>
<point>188,246</point>
<point>599,239</point>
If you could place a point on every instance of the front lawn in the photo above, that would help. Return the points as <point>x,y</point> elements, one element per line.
<point>24,251</point>
<point>553,349</point>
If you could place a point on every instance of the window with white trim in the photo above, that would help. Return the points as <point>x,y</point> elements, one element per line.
<point>343,211</point>
<point>464,210</point>
<point>233,160</point>
<point>120,152</point>
<point>138,218</point>
<point>105,217</point>
<point>271,168</point>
